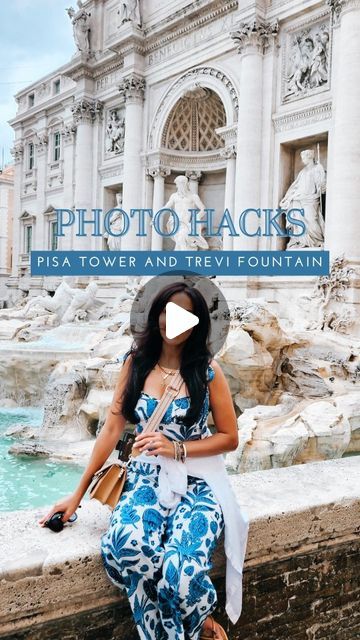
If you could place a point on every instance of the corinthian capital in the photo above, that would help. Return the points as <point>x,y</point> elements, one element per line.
<point>339,6</point>
<point>255,35</point>
<point>86,110</point>
<point>158,172</point>
<point>132,88</point>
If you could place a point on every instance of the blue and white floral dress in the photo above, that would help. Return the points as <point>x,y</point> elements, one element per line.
<point>161,556</point>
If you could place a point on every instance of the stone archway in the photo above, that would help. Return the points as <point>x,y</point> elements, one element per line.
<point>200,77</point>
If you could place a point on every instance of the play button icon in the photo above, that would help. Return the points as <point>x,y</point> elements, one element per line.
<point>178,320</point>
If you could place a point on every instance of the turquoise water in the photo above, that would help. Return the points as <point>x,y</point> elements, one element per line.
<point>28,482</point>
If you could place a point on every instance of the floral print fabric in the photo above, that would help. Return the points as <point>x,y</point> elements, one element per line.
<point>161,557</point>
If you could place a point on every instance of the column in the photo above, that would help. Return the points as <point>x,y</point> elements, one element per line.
<point>40,238</point>
<point>18,154</point>
<point>85,112</point>
<point>229,203</point>
<point>342,224</point>
<point>68,135</point>
<point>158,174</point>
<point>132,89</point>
<point>252,39</point>
<point>194,179</point>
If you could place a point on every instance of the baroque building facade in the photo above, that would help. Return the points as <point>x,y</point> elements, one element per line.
<point>228,93</point>
<point>6,220</point>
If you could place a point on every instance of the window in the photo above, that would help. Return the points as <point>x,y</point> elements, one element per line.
<point>53,236</point>
<point>56,87</point>
<point>57,141</point>
<point>28,238</point>
<point>31,156</point>
<point>31,99</point>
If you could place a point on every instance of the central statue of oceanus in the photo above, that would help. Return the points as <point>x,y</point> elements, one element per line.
<point>180,202</point>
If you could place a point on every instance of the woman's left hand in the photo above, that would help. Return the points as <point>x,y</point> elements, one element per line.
<point>159,444</point>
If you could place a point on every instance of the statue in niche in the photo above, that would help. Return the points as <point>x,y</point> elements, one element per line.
<point>115,133</point>
<point>181,201</point>
<point>130,12</point>
<point>305,193</point>
<point>309,61</point>
<point>81,30</point>
<point>116,226</point>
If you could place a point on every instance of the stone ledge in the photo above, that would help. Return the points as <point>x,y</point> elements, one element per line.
<point>294,511</point>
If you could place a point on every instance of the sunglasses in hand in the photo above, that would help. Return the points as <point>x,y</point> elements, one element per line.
<point>56,524</point>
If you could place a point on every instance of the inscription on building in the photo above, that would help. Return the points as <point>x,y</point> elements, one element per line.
<point>195,38</point>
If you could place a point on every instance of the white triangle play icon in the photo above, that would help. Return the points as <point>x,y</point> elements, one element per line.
<point>178,320</point>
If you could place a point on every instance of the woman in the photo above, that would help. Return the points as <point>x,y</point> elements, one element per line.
<point>164,529</point>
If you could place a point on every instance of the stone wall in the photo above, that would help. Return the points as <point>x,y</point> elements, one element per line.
<point>300,575</point>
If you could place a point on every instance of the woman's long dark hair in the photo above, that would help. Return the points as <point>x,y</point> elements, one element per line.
<point>195,355</point>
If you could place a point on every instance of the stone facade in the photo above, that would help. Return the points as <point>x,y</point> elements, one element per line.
<point>229,93</point>
<point>6,220</point>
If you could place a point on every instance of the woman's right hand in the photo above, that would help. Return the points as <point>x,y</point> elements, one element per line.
<point>68,505</point>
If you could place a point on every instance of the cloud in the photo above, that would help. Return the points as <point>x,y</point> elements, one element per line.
<point>36,39</point>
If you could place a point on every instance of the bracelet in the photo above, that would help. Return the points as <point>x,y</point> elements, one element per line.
<point>177,453</point>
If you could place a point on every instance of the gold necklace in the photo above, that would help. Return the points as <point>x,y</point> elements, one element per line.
<point>172,372</point>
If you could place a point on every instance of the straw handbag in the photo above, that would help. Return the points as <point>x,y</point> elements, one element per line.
<point>108,483</point>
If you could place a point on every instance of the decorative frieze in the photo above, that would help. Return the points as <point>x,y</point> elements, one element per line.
<point>87,110</point>
<point>303,117</point>
<point>132,88</point>
<point>256,35</point>
<point>306,61</point>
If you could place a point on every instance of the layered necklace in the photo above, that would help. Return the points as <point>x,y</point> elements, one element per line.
<point>166,373</point>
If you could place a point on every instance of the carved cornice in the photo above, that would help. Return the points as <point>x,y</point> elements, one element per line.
<point>110,67</point>
<point>132,88</point>
<point>301,117</point>
<point>203,161</point>
<point>17,152</point>
<point>256,36</point>
<point>87,110</point>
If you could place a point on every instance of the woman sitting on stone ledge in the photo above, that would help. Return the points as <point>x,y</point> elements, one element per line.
<point>166,525</point>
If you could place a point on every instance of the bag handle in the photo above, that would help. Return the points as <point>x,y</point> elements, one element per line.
<point>166,399</point>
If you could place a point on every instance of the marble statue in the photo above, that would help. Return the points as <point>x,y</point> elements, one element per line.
<point>57,304</point>
<point>181,201</point>
<point>81,30</point>
<point>83,304</point>
<point>130,12</point>
<point>116,226</point>
<point>305,193</point>
<point>64,304</point>
<point>115,133</point>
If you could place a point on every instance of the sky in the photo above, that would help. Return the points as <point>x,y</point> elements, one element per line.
<point>35,38</point>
